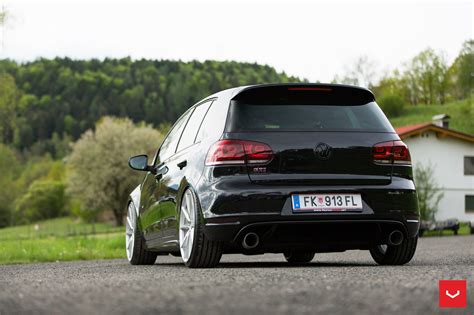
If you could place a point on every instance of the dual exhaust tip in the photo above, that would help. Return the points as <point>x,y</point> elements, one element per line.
<point>251,240</point>
<point>395,238</point>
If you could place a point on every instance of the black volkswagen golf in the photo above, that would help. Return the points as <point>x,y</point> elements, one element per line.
<point>296,169</point>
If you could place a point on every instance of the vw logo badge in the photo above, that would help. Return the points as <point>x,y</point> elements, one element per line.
<point>323,151</point>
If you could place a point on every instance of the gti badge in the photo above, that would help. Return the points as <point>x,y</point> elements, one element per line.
<point>323,151</point>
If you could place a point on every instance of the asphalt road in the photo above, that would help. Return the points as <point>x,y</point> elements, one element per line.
<point>342,283</point>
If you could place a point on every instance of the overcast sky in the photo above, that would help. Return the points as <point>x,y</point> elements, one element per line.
<point>314,40</point>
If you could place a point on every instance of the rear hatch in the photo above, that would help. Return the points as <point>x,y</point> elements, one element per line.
<point>319,135</point>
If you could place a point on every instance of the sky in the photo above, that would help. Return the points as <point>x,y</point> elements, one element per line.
<point>309,39</point>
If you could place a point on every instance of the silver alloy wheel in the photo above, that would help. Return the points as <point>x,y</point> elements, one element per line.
<point>187,223</point>
<point>129,230</point>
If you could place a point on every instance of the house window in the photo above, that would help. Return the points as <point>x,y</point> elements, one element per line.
<point>469,202</point>
<point>469,165</point>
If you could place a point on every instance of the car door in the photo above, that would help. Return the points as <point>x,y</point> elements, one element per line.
<point>179,167</point>
<point>150,214</point>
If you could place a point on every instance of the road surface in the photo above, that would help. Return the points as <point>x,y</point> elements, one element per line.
<point>342,283</point>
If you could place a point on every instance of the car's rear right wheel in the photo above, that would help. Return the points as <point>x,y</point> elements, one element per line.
<point>298,257</point>
<point>395,255</point>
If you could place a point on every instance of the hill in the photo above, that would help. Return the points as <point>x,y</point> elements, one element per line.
<point>461,112</point>
<point>61,98</point>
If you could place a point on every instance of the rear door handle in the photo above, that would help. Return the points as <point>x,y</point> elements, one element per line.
<point>182,164</point>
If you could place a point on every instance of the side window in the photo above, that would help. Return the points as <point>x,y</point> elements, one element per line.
<point>189,133</point>
<point>469,165</point>
<point>168,148</point>
<point>469,203</point>
<point>213,123</point>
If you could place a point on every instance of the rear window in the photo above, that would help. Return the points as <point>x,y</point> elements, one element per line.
<point>269,117</point>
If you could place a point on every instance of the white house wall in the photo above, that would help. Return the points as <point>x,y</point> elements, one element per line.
<point>446,155</point>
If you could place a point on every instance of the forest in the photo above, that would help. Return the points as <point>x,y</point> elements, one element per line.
<point>48,105</point>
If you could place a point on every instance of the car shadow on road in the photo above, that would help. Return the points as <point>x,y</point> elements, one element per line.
<point>280,264</point>
<point>287,265</point>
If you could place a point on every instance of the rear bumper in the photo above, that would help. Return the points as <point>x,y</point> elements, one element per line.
<point>267,210</point>
<point>232,229</point>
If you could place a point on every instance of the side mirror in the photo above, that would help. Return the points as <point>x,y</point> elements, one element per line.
<point>139,162</point>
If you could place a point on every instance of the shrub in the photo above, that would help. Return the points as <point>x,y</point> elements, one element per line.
<point>429,193</point>
<point>393,105</point>
<point>45,199</point>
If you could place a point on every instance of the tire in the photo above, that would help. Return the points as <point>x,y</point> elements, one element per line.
<point>202,252</point>
<point>137,254</point>
<point>395,255</point>
<point>297,257</point>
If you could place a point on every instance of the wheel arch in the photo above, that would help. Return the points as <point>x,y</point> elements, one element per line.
<point>185,185</point>
<point>134,198</point>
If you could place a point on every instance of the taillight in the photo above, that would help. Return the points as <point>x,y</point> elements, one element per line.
<point>391,152</point>
<point>236,152</point>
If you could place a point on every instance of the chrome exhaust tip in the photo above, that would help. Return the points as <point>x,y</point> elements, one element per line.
<point>395,238</point>
<point>251,240</point>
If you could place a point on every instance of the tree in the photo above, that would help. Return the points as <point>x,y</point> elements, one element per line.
<point>392,84</point>
<point>3,16</point>
<point>9,98</point>
<point>361,73</point>
<point>97,169</point>
<point>462,71</point>
<point>427,77</point>
<point>9,169</point>
<point>66,97</point>
<point>429,193</point>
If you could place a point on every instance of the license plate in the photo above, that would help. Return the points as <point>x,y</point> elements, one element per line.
<point>327,202</point>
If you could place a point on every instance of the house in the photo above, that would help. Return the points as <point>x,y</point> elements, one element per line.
<point>451,156</point>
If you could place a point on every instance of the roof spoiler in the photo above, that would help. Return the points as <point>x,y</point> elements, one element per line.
<point>304,94</point>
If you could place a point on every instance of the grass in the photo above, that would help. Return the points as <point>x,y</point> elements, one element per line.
<point>53,241</point>
<point>53,248</point>
<point>464,229</point>
<point>461,113</point>
<point>66,226</point>
<point>61,239</point>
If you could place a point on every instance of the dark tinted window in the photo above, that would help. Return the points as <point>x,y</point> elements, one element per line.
<point>469,165</point>
<point>168,148</point>
<point>469,203</point>
<point>251,117</point>
<point>213,123</point>
<point>191,129</point>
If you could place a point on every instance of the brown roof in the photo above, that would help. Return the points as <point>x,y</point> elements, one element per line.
<point>414,130</point>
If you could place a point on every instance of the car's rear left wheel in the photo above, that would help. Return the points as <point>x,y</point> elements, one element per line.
<point>197,251</point>
<point>395,254</point>
<point>137,254</point>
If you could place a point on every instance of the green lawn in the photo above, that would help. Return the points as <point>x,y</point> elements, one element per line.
<point>56,227</point>
<point>60,239</point>
<point>464,229</point>
<point>103,246</point>
<point>461,112</point>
